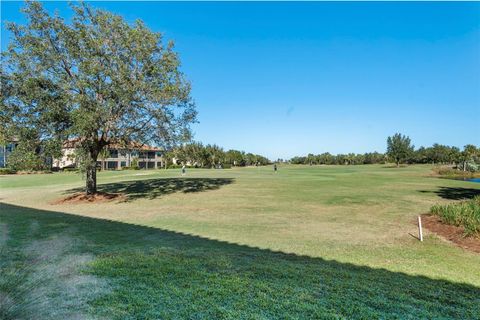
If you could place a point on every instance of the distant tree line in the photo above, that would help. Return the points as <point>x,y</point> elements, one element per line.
<point>350,158</point>
<point>400,150</point>
<point>212,155</point>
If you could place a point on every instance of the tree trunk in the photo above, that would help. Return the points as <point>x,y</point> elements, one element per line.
<point>91,187</point>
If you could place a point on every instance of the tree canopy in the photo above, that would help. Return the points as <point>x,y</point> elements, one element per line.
<point>212,155</point>
<point>99,80</point>
<point>399,148</point>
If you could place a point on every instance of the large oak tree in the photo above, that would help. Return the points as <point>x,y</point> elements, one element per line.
<point>97,79</point>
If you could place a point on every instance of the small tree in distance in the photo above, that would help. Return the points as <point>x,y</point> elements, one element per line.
<point>399,148</point>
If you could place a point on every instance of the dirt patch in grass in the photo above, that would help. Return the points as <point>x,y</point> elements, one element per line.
<point>54,286</point>
<point>452,233</point>
<point>99,197</point>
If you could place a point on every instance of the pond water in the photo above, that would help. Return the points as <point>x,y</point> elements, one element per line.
<point>477,180</point>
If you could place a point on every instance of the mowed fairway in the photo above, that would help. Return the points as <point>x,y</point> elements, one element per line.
<point>305,242</point>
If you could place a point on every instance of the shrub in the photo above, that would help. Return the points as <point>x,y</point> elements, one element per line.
<point>130,168</point>
<point>134,164</point>
<point>33,171</point>
<point>7,171</point>
<point>449,172</point>
<point>465,214</point>
<point>472,167</point>
<point>446,171</point>
<point>24,160</point>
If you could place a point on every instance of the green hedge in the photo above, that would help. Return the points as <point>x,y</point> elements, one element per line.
<point>131,168</point>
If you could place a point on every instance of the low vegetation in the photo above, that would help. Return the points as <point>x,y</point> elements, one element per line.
<point>449,172</point>
<point>464,214</point>
<point>7,171</point>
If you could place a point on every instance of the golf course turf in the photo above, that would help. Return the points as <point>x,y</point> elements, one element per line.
<point>315,242</point>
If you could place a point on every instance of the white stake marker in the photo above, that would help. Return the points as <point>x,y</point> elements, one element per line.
<point>420,233</point>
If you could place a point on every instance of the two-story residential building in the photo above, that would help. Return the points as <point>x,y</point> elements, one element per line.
<point>117,157</point>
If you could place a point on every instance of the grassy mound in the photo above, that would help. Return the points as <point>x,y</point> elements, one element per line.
<point>465,214</point>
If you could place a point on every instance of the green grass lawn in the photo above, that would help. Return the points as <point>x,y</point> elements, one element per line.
<point>306,242</point>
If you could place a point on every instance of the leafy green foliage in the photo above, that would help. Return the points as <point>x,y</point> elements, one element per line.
<point>208,156</point>
<point>235,158</point>
<point>29,155</point>
<point>472,166</point>
<point>465,214</point>
<point>25,160</point>
<point>327,158</point>
<point>7,171</point>
<point>399,148</point>
<point>134,164</point>
<point>98,79</point>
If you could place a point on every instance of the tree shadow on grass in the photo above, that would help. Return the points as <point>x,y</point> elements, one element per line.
<point>157,273</point>
<point>455,193</point>
<point>154,188</point>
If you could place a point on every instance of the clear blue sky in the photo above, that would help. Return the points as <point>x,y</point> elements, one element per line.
<point>285,79</point>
